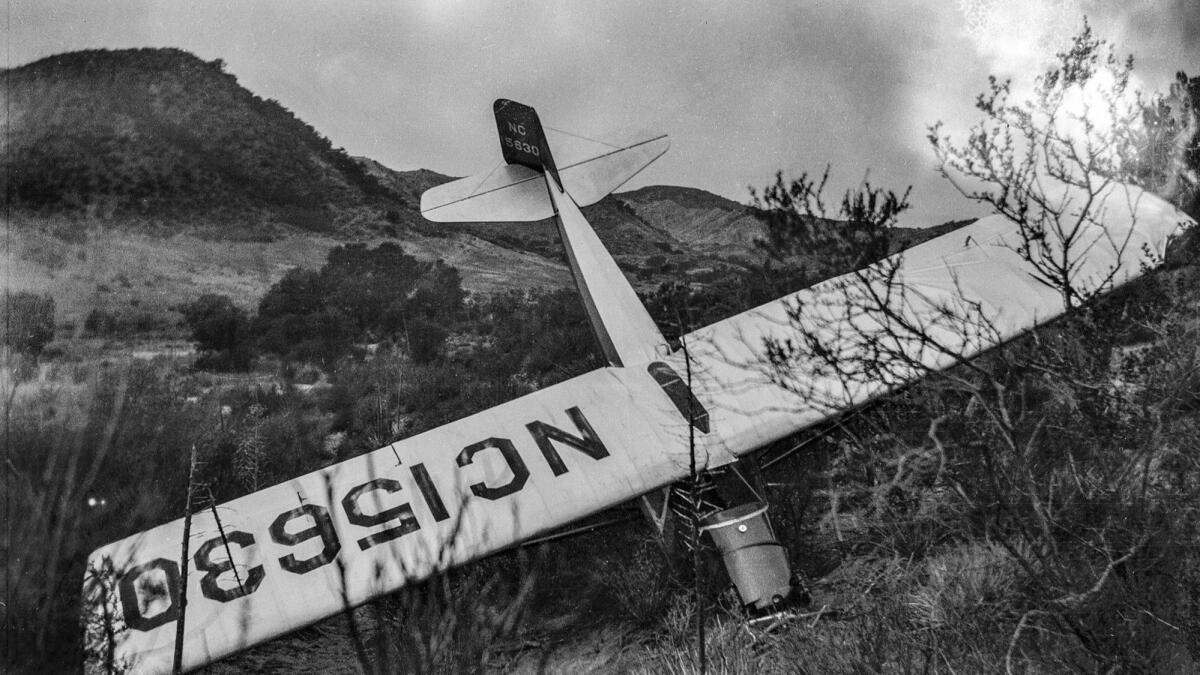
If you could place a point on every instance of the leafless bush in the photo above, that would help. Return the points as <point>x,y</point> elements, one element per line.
<point>1025,462</point>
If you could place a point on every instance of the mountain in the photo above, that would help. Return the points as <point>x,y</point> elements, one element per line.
<point>153,135</point>
<point>160,133</point>
<point>658,220</point>
<point>408,184</point>
<point>708,222</point>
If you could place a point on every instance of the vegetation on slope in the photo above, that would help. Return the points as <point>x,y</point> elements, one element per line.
<point>161,132</point>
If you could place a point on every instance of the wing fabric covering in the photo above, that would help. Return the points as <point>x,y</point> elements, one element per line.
<point>308,548</point>
<point>972,271</point>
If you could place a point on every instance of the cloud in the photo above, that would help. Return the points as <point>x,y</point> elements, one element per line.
<point>744,89</point>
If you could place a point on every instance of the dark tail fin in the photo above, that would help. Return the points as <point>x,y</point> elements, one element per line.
<point>521,138</point>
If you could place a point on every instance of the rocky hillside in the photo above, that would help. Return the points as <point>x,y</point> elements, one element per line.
<point>708,222</point>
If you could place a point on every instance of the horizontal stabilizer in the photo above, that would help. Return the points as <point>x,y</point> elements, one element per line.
<point>513,192</point>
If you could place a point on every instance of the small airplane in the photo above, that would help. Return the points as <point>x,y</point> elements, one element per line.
<point>291,554</point>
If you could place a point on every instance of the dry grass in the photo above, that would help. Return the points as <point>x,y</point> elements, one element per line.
<point>115,267</point>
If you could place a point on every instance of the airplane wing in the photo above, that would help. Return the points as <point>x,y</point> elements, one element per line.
<point>286,556</point>
<point>975,269</point>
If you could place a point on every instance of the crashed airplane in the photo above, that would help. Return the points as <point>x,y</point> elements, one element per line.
<point>289,555</point>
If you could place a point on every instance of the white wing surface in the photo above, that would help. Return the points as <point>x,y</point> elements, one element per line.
<point>297,552</point>
<point>975,264</point>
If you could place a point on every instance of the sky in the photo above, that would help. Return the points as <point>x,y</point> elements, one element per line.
<point>744,89</point>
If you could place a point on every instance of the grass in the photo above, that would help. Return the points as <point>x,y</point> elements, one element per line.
<point>159,273</point>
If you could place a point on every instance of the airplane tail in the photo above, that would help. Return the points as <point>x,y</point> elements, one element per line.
<point>516,191</point>
<point>530,185</point>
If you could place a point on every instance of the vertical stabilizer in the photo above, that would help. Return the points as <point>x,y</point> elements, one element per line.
<point>521,138</point>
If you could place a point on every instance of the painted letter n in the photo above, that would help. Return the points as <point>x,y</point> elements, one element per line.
<point>589,443</point>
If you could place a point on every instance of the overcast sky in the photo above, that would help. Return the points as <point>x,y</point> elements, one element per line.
<point>743,88</point>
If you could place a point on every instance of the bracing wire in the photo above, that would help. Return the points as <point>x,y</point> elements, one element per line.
<point>585,138</point>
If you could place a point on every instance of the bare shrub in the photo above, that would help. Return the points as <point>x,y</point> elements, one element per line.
<point>642,584</point>
<point>1031,496</point>
<point>70,451</point>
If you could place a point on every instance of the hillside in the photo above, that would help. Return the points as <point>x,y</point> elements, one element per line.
<point>160,136</point>
<point>650,221</point>
<point>708,222</point>
<point>159,133</point>
<point>145,276</point>
<point>138,179</point>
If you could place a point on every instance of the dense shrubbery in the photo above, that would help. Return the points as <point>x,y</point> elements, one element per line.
<point>124,322</point>
<point>220,330</point>
<point>85,465</point>
<point>543,336</point>
<point>360,295</point>
<point>28,322</point>
<point>1037,507</point>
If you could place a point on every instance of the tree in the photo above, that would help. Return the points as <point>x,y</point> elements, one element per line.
<point>299,292</point>
<point>220,329</point>
<point>1045,163</point>
<point>360,294</point>
<point>1170,160</point>
<point>1059,475</point>
<point>798,232</point>
<point>28,324</point>
<point>438,292</point>
<point>425,339</point>
<point>362,283</point>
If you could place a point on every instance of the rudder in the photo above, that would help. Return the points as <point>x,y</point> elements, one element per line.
<point>521,137</point>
